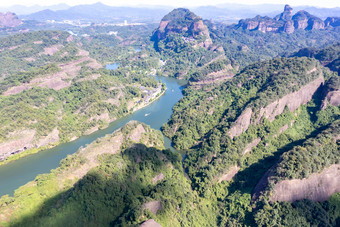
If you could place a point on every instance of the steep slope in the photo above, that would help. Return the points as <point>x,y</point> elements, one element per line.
<point>331,92</point>
<point>232,133</point>
<point>63,93</point>
<point>328,56</point>
<point>286,22</point>
<point>184,43</point>
<point>243,47</point>
<point>332,21</point>
<point>309,171</point>
<point>185,24</point>
<point>25,51</point>
<point>304,183</point>
<point>257,87</point>
<point>213,73</point>
<point>9,20</point>
<point>125,178</point>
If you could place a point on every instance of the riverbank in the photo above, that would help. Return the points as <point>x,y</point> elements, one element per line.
<point>17,173</point>
<point>153,97</point>
<point>27,152</point>
<point>158,92</point>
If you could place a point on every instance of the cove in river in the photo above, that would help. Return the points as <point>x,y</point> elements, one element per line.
<point>112,66</point>
<point>19,172</point>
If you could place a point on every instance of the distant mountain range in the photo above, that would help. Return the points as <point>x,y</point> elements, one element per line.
<point>239,11</point>
<point>288,22</point>
<point>24,10</point>
<point>98,12</point>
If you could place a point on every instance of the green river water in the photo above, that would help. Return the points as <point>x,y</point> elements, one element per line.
<point>20,172</point>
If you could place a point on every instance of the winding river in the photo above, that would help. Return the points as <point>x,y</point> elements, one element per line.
<point>19,172</point>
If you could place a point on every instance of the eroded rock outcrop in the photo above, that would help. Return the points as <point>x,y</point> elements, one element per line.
<point>153,206</point>
<point>229,174</point>
<point>289,27</point>
<point>9,20</point>
<point>150,223</point>
<point>317,187</point>
<point>332,21</point>
<point>241,124</point>
<point>309,171</point>
<point>254,143</point>
<point>292,101</point>
<point>263,24</point>
<point>315,23</point>
<point>331,92</point>
<point>286,22</point>
<point>187,25</point>
<point>214,78</point>
<point>306,21</point>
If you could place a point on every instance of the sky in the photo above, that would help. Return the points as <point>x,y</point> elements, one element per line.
<point>177,3</point>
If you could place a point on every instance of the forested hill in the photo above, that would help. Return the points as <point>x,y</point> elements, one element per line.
<point>256,133</point>
<point>253,89</point>
<point>234,132</point>
<point>185,42</point>
<point>328,56</point>
<point>54,90</point>
<point>120,179</point>
<point>287,22</point>
<point>183,24</point>
<point>304,183</point>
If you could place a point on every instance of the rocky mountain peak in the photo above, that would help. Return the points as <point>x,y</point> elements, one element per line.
<point>186,24</point>
<point>332,21</point>
<point>288,9</point>
<point>286,22</point>
<point>286,15</point>
<point>9,20</point>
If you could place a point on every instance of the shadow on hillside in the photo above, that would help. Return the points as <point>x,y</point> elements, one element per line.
<point>110,194</point>
<point>317,99</point>
<point>247,184</point>
<point>250,179</point>
<point>246,180</point>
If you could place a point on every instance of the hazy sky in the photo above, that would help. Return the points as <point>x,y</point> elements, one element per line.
<point>319,3</point>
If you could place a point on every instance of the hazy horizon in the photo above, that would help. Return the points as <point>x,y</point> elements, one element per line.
<point>173,3</point>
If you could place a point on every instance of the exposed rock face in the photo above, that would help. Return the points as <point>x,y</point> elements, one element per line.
<point>229,175</point>
<point>26,139</point>
<point>306,21</point>
<point>290,180</point>
<point>241,124</point>
<point>263,24</point>
<point>150,223</point>
<point>286,22</point>
<point>214,78</point>
<point>20,141</point>
<point>292,101</point>
<point>157,178</point>
<point>254,143</point>
<point>286,15</point>
<point>333,98</point>
<point>301,19</point>
<point>153,206</point>
<point>315,23</point>
<point>289,27</point>
<point>60,79</point>
<point>186,24</point>
<point>332,21</point>
<point>331,93</point>
<point>317,187</point>
<point>9,20</point>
